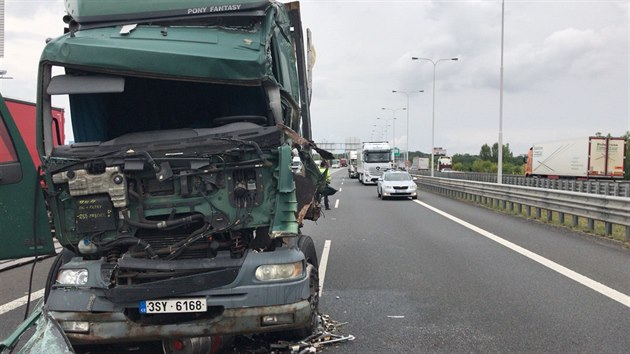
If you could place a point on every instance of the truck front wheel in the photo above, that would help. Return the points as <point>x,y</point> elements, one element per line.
<point>306,245</point>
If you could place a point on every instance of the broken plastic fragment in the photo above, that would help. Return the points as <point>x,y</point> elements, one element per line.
<point>126,29</point>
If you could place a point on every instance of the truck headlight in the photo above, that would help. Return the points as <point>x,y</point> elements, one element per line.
<point>286,271</point>
<point>72,277</point>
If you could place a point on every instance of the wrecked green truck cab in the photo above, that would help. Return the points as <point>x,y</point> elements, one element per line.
<point>175,203</point>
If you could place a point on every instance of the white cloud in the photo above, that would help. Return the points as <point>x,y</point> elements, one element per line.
<point>25,38</point>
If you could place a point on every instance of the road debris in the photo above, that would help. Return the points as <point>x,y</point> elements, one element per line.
<point>325,334</point>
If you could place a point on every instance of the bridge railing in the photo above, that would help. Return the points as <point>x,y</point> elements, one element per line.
<point>536,202</point>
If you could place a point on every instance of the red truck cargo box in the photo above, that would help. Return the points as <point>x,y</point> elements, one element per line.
<point>23,113</point>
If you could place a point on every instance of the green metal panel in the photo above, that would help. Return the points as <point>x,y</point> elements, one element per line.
<point>285,221</point>
<point>24,228</point>
<point>84,11</point>
<point>216,54</point>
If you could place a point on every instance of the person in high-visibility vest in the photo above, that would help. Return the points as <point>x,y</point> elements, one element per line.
<point>323,169</point>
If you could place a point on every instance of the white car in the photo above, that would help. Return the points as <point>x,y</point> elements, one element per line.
<point>396,184</point>
<point>296,165</point>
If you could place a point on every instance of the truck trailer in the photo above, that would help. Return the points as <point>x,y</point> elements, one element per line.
<point>178,212</point>
<point>591,157</point>
<point>420,163</point>
<point>372,160</point>
<point>24,115</point>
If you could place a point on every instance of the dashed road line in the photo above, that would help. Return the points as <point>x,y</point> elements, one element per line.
<point>21,301</point>
<point>323,263</point>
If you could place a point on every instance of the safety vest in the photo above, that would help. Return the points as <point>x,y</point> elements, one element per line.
<point>324,171</point>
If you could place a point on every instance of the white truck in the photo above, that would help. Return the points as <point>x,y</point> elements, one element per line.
<point>352,164</point>
<point>372,160</point>
<point>420,163</point>
<point>445,164</point>
<point>591,157</point>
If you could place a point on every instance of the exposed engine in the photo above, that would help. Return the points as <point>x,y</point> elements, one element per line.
<point>125,212</point>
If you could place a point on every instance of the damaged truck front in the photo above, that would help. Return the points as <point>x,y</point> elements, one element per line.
<point>175,203</point>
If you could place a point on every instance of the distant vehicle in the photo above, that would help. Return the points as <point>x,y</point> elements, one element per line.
<point>372,160</point>
<point>296,165</point>
<point>343,162</point>
<point>396,184</point>
<point>352,165</point>
<point>445,162</point>
<point>420,163</point>
<point>592,157</point>
<point>335,164</point>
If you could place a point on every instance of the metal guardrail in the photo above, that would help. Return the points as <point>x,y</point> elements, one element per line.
<point>610,210</point>
<point>602,187</point>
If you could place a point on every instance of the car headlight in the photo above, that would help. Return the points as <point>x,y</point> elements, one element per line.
<point>72,277</point>
<point>286,271</point>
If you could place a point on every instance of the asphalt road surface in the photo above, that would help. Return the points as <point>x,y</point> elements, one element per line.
<point>408,279</point>
<point>438,275</point>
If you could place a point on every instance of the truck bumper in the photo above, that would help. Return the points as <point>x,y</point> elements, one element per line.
<point>91,315</point>
<point>116,327</point>
<point>370,179</point>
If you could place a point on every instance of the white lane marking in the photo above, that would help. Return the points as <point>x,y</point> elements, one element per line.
<point>337,204</point>
<point>21,301</point>
<point>588,282</point>
<point>323,263</point>
<point>340,189</point>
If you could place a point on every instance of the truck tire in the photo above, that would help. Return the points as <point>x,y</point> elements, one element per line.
<point>62,258</point>
<point>306,245</point>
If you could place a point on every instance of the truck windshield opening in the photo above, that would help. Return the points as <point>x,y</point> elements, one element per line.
<point>148,104</point>
<point>377,156</point>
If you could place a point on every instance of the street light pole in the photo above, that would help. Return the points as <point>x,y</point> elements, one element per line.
<point>407,142</point>
<point>394,124</point>
<point>500,160</point>
<point>433,114</point>
<point>393,119</point>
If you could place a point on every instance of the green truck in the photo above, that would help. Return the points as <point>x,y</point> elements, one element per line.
<point>175,204</point>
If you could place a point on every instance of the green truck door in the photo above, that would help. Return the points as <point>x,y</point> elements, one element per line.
<point>24,228</point>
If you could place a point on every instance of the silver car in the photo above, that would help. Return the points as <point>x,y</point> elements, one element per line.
<point>396,184</point>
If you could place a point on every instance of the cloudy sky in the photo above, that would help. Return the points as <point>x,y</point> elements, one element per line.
<point>565,68</point>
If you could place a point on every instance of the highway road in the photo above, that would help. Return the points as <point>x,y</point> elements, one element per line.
<point>443,275</point>
<point>407,278</point>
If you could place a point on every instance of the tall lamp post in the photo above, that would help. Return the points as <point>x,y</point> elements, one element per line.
<point>394,124</point>
<point>434,62</point>
<point>407,142</point>
<point>386,124</point>
<point>379,131</point>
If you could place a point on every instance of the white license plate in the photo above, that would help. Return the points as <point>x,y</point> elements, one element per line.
<point>197,304</point>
